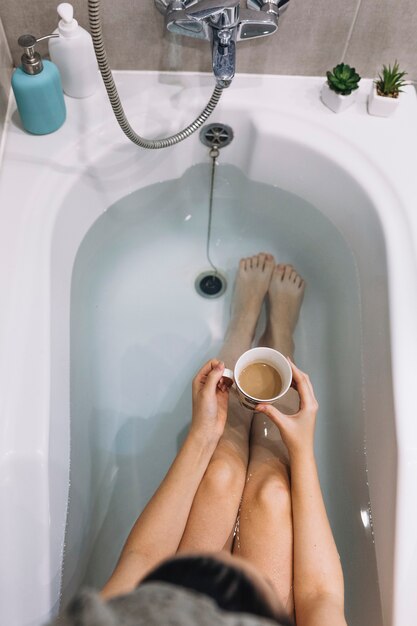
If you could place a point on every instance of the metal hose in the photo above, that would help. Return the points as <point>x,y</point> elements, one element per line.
<point>152,144</point>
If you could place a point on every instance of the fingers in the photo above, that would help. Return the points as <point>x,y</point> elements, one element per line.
<point>213,378</point>
<point>209,376</point>
<point>271,412</point>
<point>208,367</point>
<point>201,375</point>
<point>304,388</point>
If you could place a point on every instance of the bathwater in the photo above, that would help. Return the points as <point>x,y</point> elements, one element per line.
<point>139,333</point>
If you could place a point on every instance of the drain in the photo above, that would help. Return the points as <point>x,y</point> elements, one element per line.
<point>210,284</point>
<point>216,135</point>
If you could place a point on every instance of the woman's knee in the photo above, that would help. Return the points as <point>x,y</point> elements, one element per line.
<point>271,491</point>
<point>224,475</point>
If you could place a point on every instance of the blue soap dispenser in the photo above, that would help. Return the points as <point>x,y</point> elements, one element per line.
<point>38,90</point>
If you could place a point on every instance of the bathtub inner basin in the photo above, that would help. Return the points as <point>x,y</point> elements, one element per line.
<point>139,332</point>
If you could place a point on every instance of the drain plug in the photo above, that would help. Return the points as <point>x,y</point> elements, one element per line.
<point>210,284</point>
<point>216,135</point>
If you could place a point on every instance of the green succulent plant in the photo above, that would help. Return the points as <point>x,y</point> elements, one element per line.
<point>343,79</point>
<point>390,81</point>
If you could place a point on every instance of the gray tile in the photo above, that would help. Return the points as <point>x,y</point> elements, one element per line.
<point>312,36</point>
<point>140,41</point>
<point>38,18</point>
<point>5,73</point>
<point>384,31</point>
<point>134,33</point>
<point>310,40</point>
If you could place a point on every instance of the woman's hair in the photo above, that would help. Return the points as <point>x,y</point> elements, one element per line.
<point>227,585</point>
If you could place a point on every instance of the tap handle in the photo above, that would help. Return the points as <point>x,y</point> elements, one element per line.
<point>209,8</point>
<point>275,7</point>
<point>281,5</point>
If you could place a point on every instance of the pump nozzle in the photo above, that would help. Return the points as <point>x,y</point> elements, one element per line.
<point>66,12</point>
<point>31,60</point>
<point>68,25</point>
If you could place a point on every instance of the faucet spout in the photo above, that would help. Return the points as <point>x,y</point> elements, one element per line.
<point>224,55</point>
<point>222,19</point>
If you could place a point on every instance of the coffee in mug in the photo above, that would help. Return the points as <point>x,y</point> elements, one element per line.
<point>260,380</point>
<point>260,375</point>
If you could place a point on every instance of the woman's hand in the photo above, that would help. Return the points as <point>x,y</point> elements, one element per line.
<point>209,402</point>
<point>297,431</point>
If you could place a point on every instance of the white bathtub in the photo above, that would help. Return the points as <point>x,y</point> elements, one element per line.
<point>351,173</point>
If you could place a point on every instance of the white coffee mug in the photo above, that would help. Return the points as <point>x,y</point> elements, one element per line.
<point>260,355</point>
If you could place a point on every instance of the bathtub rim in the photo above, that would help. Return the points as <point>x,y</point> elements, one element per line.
<point>405,452</point>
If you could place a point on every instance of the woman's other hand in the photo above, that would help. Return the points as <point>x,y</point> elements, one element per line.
<point>209,402</point>
<point>297,431</point>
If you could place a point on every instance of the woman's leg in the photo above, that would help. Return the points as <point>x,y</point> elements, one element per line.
<point>265,535</point>
<point>213,514</point>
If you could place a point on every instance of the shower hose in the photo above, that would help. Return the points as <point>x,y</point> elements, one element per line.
<point>152,144</point>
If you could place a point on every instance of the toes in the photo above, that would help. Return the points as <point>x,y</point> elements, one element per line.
<point>288,272</point>
<point>280,270</point>
<point>269,261</point>
<point>261,260</point>
<point>257,261</point>
<point>293,275</point>
<point>296,279</point>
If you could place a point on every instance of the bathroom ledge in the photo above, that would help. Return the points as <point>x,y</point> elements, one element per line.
<point>161,103</point>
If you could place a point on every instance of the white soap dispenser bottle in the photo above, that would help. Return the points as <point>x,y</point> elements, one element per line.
<point>74,55</point>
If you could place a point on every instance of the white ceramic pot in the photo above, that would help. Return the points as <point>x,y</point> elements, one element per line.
<point>382,106</point>
<point>335,101</point>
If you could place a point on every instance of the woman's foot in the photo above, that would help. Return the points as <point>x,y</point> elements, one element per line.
<point>285,295</point>
<point>252,283</point>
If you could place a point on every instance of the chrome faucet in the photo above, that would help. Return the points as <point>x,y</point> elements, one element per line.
<point>223,23</point>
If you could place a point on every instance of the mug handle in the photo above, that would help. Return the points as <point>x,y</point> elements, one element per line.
<point>228,377</point>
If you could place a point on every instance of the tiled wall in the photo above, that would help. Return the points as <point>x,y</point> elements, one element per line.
<point>5,72</point>
<point>314,36</point>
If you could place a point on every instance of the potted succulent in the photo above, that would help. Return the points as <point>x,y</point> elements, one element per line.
<point>339,91</point>
<point>385,95</point>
